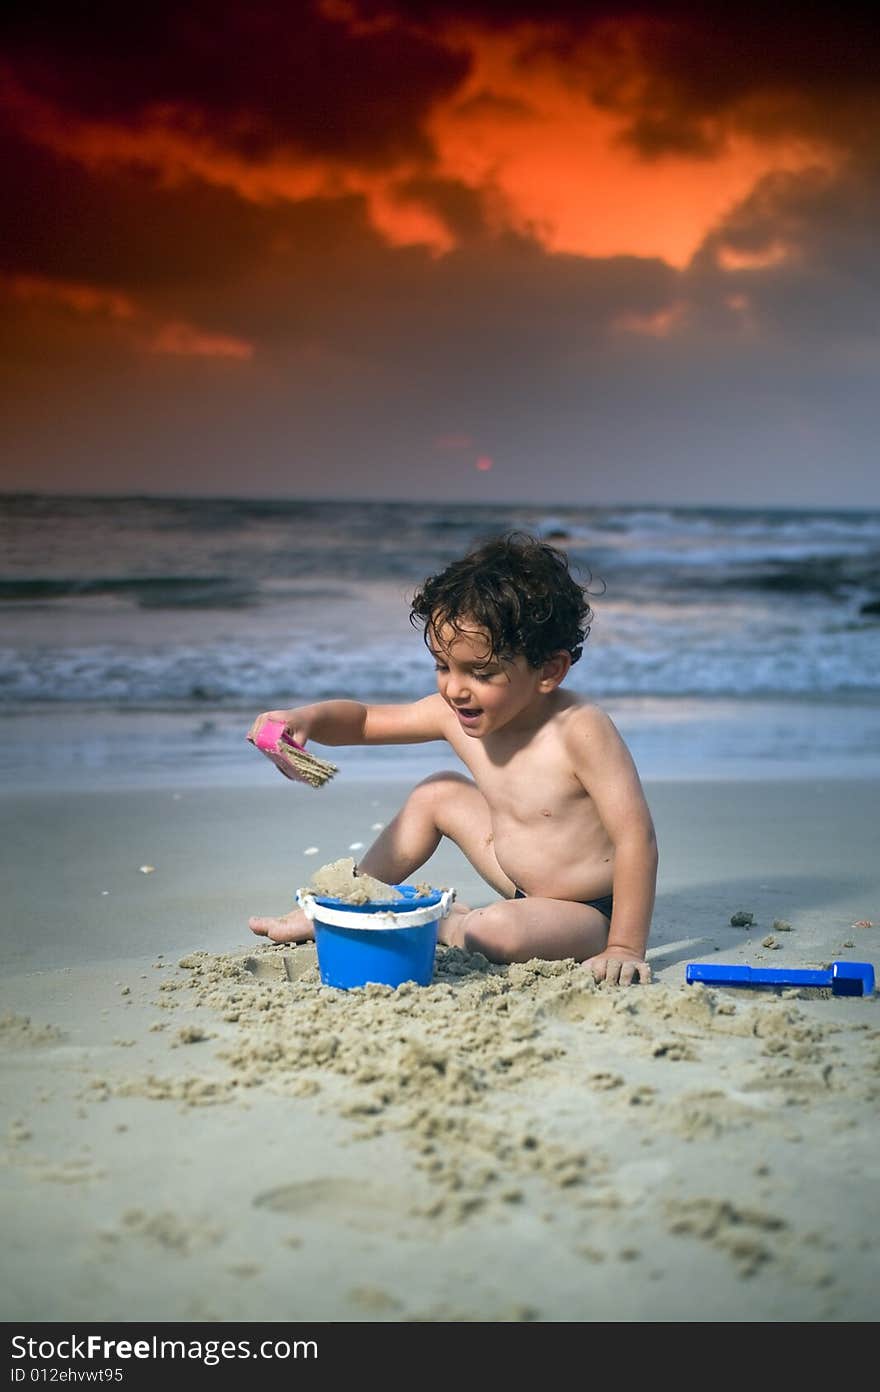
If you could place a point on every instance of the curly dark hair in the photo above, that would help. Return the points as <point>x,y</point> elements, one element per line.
<point>517,588</point>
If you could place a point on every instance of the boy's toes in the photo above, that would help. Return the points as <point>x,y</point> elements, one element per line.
<point>261,925</point>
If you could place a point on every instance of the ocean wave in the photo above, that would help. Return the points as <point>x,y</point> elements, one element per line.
<point>192,601</point>
<point>149,592</point>
<point>832,662</point>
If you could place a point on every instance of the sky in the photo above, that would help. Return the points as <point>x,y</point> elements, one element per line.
<point>566,252</point>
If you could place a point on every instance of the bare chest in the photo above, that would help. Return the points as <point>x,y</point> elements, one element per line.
<point>534,789</point>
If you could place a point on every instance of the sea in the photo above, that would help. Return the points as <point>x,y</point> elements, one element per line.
<point>140,636</point>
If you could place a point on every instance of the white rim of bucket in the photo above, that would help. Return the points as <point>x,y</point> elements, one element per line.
<point>382,920</point>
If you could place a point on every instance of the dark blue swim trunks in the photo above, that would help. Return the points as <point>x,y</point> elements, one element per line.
<point>605,902</point>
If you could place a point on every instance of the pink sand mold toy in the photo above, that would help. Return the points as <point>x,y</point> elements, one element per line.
<point>290,757</point>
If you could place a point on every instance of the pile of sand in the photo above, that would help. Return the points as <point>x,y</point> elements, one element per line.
<point>467,1069</point>
<point>674,1133</point>
<point>340,880</point>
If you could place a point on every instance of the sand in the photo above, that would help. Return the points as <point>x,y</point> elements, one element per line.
<point>339,879</point>
<point>198,1129</point>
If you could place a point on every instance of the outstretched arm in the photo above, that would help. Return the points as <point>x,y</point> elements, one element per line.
<point>605,767</point>
<point>352,722</point>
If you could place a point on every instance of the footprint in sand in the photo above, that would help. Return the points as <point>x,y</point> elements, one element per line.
<point>360,1205</point>
<point>278,966</point>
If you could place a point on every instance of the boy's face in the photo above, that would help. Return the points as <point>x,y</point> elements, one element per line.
<point>487,693</point>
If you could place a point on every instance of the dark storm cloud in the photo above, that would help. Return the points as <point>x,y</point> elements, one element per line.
<point>826,288</point>
<point>814,77</point>
<point>672,70</point>
<point>119,228</point>
<point>260,76</point>
<point>461,209</point>
<point>494,306</point>
<point>366,350</point>
<point>267,75</point>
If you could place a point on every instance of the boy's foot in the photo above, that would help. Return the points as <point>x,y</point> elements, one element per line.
<point>289,927</point>
<point>451,929</point>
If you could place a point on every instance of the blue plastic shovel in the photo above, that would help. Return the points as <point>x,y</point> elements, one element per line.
<point>844,978</point>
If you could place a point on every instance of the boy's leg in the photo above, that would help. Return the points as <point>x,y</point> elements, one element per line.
<point>446,804</point>
<point>519,929</point>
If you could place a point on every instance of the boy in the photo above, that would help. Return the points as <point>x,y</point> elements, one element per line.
<point>553,816</point>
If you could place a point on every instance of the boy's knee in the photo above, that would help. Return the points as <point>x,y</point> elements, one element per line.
<point>492,932</point>
<point>433,792</point>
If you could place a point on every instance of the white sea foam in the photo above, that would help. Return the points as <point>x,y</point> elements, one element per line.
<point>221,603</point>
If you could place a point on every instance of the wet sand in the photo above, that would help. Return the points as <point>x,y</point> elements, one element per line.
<point>198,1129</point>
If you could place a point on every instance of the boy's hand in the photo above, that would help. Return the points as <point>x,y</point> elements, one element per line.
<point>619,967</point>
<point>293,725</point>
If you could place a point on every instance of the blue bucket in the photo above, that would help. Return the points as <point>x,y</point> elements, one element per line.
<point>387,943</point>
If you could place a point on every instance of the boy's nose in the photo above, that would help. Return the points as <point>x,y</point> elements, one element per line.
<point>456,688</point>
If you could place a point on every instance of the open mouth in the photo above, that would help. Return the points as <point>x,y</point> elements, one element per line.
<point>468,712</point>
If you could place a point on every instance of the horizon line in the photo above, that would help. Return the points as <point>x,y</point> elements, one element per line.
<point>481,503</point>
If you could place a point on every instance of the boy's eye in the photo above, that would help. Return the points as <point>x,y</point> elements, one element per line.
<point>483,675</point>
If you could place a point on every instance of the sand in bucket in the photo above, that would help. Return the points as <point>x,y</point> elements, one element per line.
<point>367,931</point>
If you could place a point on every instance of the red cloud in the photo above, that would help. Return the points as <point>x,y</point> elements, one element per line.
<point>186,341</point>
<point>82,299</point>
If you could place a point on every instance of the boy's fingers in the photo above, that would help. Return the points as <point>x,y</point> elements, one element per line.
<point>634,971</point>
<point>618,972</point>
<point>261,721</point>
<point>258,725</point>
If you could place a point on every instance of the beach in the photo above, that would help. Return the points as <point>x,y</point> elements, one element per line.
<point>497,381</point>
<point>199,1130</point>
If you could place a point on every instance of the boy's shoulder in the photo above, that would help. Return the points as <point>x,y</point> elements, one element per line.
<point>577,710</point>
<point>582,722</point>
